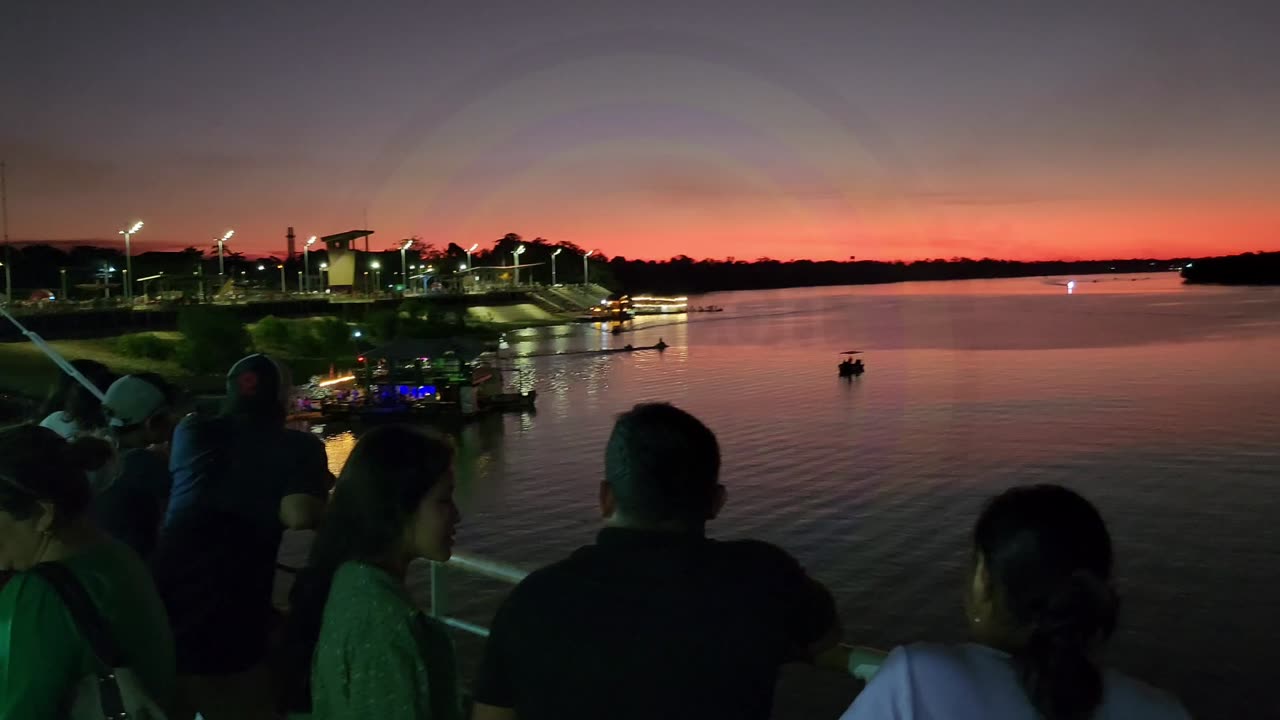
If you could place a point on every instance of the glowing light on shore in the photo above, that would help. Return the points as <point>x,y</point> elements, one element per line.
<point>335,381</point>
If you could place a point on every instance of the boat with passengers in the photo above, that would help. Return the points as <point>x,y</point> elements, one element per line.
<point>456,378</point>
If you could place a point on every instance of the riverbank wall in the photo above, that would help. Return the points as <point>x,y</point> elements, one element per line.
<point>533,305</point>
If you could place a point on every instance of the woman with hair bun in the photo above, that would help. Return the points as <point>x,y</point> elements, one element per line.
<point>44,503</point>
<point>1041,606</point>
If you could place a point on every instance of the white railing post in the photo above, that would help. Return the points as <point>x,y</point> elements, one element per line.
<point>439,591</point>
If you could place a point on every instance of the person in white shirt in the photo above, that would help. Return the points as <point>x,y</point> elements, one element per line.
<point>1040,606</point>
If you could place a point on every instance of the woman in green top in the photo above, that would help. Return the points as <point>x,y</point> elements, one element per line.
<point>44,499</point>
<point>356,645</point>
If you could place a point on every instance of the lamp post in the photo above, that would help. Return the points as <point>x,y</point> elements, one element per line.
<point>306,266</point>
<point>377,273</point>
<point>515,260</point>
<point>223,241</point>
<point>553,265</point>
<point>106,280</point>
<point>323,266</point>
<point>469,263</point>
<point>283,288</point>
<point>584,265</point>
<point>63,272</point>
<point>404,271</point>
<point>128,258</point>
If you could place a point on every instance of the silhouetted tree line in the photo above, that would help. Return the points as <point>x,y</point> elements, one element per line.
<point>685,275</point>
<point>1246,269</point>
<point>40,266</point>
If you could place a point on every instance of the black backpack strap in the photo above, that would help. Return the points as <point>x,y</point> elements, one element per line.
<point>85,614</point>
<point>94,629</point>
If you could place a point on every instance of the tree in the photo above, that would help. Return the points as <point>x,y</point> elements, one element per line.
<point>213,338</point>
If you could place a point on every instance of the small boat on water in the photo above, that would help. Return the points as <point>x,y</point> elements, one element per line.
<point>849,367</point>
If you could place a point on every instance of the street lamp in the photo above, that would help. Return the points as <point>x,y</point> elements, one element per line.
<point>222,241</point>
<point>469,263</point>
<point>515,260</point>
<point>306,266</point>
<point>106,279</point>
<point>404,272</point>
<point>584,265</point>
<point>377,273</point>
<point>283,289</point>
<point>553,265</point>
<point>323,266</point>
<point>128,258</point>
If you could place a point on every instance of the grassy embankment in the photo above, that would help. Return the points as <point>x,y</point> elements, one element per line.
<point>308,346</point>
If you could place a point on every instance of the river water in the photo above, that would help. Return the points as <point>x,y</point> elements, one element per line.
<point>1158,401</point>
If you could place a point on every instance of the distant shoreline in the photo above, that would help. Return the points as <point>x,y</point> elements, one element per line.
<point>686,276</point>
<point>1258,269</point>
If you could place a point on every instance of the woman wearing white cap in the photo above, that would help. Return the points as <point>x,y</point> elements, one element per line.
<point>138,409</point>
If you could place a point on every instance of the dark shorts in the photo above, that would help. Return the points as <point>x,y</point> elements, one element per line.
<point>214,573</point>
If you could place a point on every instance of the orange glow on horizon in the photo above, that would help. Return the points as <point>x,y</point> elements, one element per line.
<point>1031,233</point>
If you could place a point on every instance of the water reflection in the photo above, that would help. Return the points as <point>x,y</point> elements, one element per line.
<point>1158,401</point>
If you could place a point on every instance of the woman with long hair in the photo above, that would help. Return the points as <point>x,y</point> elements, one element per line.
<point>70,409</point>
<point>44,503</point>
<point>1041,606</point>
<point>356,644</point>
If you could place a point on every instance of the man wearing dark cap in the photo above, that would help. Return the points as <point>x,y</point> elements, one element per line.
<point>239,480</point>
<point>654,620</point>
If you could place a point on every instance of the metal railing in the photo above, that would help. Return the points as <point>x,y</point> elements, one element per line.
<point>860,661</point>
<point>440,587</point>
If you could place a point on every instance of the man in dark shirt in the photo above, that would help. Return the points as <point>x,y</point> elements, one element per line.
<point>655,620</point>
<point>239,480</point>
<point>138,409</point>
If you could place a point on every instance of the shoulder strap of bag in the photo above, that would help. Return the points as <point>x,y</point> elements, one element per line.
<point>92,627</point>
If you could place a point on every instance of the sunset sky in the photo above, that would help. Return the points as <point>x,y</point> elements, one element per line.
<point>651,129</point>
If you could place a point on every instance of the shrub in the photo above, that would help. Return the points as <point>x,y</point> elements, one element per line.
<point>332,337</point>
<point>146,346</point>
<point>302,340</point>
<point>271,333</point>
<point>383,325</point>
<point>213,338</point>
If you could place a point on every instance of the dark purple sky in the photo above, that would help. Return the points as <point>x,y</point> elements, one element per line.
<point>882,130</point>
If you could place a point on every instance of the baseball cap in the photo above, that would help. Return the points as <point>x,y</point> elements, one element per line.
<point>256,383</point>
<point>131,400</point>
